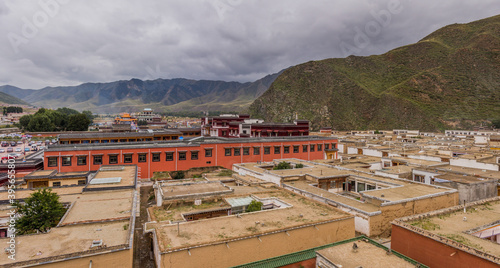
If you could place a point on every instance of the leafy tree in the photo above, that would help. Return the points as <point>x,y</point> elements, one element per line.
<point>496,123</point>
<point>282,165</point>
<point>40,123</point>
<point>25,120</point>
<point>254,206</point>
<point>67,111</point>
<point>13,109</point>
<point>78,122</point>
<point>39,212</point>
<point>89,115</point>
<point>299,165</point>
<point>4,110</point>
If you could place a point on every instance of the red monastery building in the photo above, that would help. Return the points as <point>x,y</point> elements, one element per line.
<point>242,126</point>
<point>182,155</point>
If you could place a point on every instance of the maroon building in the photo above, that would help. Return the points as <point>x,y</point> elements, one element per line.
<point>242,126</point>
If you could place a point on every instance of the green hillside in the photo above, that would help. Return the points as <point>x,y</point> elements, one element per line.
<point>8,99</point>
<point>450,78</point>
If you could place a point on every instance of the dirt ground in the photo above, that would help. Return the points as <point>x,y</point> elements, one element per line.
<point>143,255</point>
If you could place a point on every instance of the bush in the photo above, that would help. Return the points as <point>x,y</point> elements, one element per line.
<point>178,175</point>
<point>283,165</point>
<point>299,166</point>
<point>254,206</point>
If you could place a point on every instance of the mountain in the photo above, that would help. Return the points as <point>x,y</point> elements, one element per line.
<point>160,94</point>
<point>449,79</point>
<point>9,99</point>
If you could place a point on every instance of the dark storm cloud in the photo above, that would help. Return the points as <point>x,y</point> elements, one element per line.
<point>56,42</point>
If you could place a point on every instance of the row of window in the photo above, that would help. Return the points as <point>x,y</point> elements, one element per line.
<point>169,156</point>
<point>277,149</point>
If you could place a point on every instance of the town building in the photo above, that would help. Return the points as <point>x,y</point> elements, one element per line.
<point>242,126</point>
<point>206,225</point>
<point>125,118</point>
<point>97,229</point>
<point>149,116</point>
<point>460,236</point>
<point>374,200</point>
<point>360,251</point>
<point>154,156</point>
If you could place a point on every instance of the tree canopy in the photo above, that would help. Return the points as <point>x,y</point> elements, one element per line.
<point>62,119</point>
<point>39,212</point>
<point>254,206</point>
<point>283,165</point>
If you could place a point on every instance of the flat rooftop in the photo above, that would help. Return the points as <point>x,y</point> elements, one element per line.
<point>408,191</point>
<point>98,206</point>
<point>66,240</point>
<point>127,175</point>
<point>177,143</point>
<point>303,211</point>
<point>180,190</point>
<point>367,255</point>
<point>450,224</point>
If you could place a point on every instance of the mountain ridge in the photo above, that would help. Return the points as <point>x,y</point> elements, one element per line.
<point>447,79</point>
<point>177,94</point>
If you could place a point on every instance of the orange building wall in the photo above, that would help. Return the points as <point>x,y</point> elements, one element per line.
<point>218,158</point>
<point>433,253</point>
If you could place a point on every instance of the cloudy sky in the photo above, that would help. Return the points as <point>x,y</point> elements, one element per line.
<point>68,42</point>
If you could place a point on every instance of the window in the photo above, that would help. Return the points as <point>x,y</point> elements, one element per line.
<point>56,184</point>
<point>52,162</point>
<point>286,149</point>
<point>327,146</point>
<point>156,157</point>
<point>97,159</point>
<point>113,159</point>
<point>277,149</point>
<point>295,149</point>
<point>256,150</point>
<point>304,148</point>
<point>169,156</point>
<point>236,151</point>
<point>227,152</point>
<point>267,150</point>
<point>66,160</point>
<point>208,152</point>
<point>333,145</point>
<point>127,158</point>
<point>142,158</point>
<point>194,155</point>
<point>246,151</point>
<point>81,160</point>
<point>320,146</point>
<point>312,147</point>
<point>82,182</point>
<point>182,155</point>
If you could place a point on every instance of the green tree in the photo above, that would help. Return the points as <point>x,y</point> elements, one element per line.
<point>78,122</point>
<point>282,165</point>
<point>254,206</point>
<point>25,120</point>
<point>496,123</point>
<point>39,212</point>
<point>299,165</point>
<point>40,123</point>
<point>89,115</point>
<point>67,111</point>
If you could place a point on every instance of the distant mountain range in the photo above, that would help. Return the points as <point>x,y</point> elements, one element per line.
<point>449,79</point>
<point>9,99</point>
<point>160,94</point>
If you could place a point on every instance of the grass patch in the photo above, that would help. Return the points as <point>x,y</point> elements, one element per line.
<point>225,173</point>
<point>462,240</point>
<point>426,225</point>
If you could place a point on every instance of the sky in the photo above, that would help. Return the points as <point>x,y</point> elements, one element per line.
<point>69,42</point>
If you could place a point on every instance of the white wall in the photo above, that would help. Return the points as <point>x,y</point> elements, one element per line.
<point>352,150</point>
<point>427,178</point>
<point>472,163</point>
<point>372,152</point>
